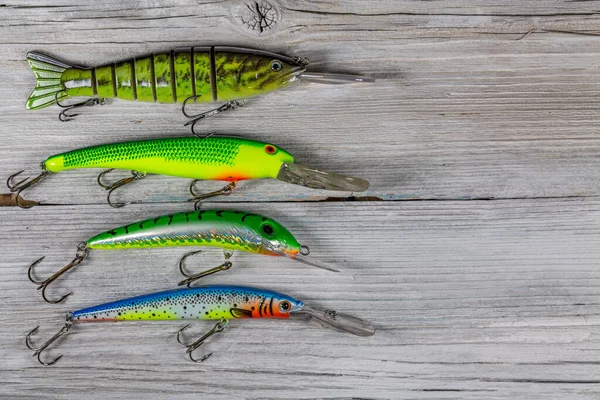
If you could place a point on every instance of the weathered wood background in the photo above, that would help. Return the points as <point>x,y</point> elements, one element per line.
<point>476,256</point>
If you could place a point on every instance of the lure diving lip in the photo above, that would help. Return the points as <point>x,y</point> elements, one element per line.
<point>230,230</point>
<point>217,302</point>
<point>333,79</point>
<point>211,158</point>
<point>316,179</point>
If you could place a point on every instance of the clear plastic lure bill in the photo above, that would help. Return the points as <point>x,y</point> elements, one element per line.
<point>230,230</point>
<point>221,158</point>
<point>222,303</point>
<point>198,74</point>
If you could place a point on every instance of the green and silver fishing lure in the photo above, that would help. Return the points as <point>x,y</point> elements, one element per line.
<point>227,229</point>
<point>199,74</point>
<point>212,158</point>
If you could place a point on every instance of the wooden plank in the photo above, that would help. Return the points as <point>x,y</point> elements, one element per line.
<point>470,299</point>
<point>462,108</point>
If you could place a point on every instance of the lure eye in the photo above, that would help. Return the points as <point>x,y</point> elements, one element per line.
<point>270,149</point>
<point>285,306</point>
<point>267,229</point>
<point>276,65</point>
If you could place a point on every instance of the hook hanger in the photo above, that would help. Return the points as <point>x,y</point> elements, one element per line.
<point>198,197</point>
<point>65,116</point>
<point>135,175</point>
<point>194,118</point>
<point>38,350</point>
<point>219,326</point>
<point>194,277</point>
<point>24,184</point>
<point>80,255</point>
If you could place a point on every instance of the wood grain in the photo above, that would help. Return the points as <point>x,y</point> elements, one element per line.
<point>477,263</point>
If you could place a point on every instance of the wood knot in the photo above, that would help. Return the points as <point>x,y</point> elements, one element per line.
<point>10,200</point>
<point>258,17</point>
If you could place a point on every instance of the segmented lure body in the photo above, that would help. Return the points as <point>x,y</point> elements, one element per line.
<point>234,230</point>
<point>212,158</point>
<point>211,302</point>
<point>208,74</point>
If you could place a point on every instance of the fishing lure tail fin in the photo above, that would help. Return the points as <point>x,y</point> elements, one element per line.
<point>315,179</point>
<point>48,72</point>
<point>338,321</point>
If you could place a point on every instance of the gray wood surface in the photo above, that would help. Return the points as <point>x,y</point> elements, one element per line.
<point>475,252</point>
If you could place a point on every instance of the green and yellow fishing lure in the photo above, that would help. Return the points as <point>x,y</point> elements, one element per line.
<point>212,158</point>
<point>201,74</point>
<point>230,230</point>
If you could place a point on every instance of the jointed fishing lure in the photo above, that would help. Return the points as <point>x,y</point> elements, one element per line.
<point>205,303</point>
<point>200,74</point>
<point>211,158</point>
<point>227,229</point>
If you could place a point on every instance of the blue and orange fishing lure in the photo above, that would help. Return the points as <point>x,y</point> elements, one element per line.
<point>205,303</point>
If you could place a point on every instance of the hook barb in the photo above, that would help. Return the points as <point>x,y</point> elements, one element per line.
<point>179,335</point>
<point>135,176</point>
<point>38,350</point>
<point>65,115</point>
<point>28,339</point>
<point>194,118</point>
<point>55,301</point>
<point>219,327</point>
<point>198,197</point>
<point>29,275</point>
<point>182,259</point>
<point>192,278</point>
<point>80,255</point>
<point>24,184</point>
<point>15,186</point>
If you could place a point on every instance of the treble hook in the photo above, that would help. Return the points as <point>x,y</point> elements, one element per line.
<point>230,105</point>
<point>38,350</point>
<point>191,278</point>
<point>219,326</point>
<point>64,116</point>
<point>224,191</point>
<point>135,175</point>
<point>24,184</point>
<point>80,255</point>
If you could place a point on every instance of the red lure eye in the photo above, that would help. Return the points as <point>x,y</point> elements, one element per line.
<point>270,149</point>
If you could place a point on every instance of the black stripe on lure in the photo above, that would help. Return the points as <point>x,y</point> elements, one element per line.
<point>221,303</point>
<point>193,74</point>
<point>218,158</point>
<point>227,229</point>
